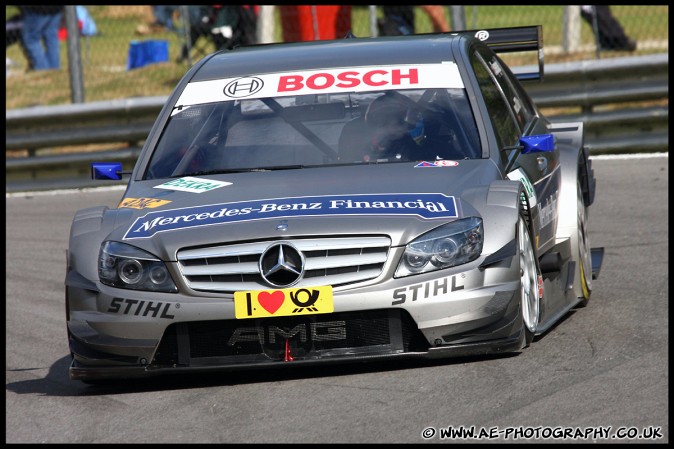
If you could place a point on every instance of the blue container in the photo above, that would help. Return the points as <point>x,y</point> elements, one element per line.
<point>142,53</point>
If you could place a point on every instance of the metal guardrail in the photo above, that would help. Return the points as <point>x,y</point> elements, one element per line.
<point>616,97</point>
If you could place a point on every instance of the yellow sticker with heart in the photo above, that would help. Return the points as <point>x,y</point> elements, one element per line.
<point>283,302</point>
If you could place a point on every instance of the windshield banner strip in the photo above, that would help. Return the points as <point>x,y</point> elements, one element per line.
<point>326,81</point>
<point>423,205</point>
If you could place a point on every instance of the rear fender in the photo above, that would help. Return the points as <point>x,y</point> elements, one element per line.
<point>570,144</point>
<point>571,149</point>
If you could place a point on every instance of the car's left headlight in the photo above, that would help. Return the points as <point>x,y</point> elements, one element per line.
<point>446,246</point>
<point>125,266</point>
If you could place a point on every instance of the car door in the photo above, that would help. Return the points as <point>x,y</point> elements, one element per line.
<point>513,115</point>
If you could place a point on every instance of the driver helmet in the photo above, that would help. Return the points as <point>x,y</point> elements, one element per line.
<point>391,120</point>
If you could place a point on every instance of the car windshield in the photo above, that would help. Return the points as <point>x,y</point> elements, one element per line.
<point>287,132</point>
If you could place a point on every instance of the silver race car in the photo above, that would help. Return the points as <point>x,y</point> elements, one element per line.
<point>334,201</point>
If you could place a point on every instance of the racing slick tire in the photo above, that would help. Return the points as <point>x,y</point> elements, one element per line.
<point>531,281</point>
<point>584,250</point>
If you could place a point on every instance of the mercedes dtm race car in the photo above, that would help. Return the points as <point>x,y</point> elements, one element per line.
<point>333,201</point>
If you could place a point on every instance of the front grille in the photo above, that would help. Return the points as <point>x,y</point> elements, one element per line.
<point>320,336</point>
<point>329,261</point>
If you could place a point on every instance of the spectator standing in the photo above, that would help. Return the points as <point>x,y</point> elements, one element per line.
<point>399,20</point>
<point>163,15</point>
<point>13,29</point>
<point>40,35</point>
<point>162,20</point>
<point>608,31</point>
<point>227,26</point>
<point>437,15</point>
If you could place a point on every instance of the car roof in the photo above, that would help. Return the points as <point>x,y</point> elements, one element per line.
<point>350,52</point>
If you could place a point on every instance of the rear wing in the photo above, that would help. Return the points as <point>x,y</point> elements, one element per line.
<point>515,39</point>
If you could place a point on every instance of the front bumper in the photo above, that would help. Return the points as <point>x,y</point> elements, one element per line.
<point>116,333</point>
<point>367,335</point>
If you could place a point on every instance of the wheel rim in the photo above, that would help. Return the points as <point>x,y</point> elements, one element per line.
<point>531,282</point>
<point>585,257</point>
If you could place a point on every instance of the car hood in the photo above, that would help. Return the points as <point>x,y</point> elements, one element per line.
<point>400,200</point>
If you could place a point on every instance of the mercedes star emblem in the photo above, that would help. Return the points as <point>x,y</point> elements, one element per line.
<point>282,265</point>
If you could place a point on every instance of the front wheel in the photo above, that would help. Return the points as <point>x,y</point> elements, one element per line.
<point>531,282</point>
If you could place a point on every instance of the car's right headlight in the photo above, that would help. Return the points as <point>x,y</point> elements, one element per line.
<point>446,246</point>
<point>125,266</point>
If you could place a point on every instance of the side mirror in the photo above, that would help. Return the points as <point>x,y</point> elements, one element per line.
<point>106,170</point>
<point>538,144</point>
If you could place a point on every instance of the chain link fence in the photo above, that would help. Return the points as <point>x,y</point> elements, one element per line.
<point>125,51</point>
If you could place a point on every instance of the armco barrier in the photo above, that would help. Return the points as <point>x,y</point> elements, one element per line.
<point>623,102</point>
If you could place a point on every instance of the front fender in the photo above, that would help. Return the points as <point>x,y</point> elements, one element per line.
<point>86,233</point>
<point>499,205</point>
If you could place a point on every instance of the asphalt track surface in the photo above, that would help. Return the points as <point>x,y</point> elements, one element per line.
<point>600,374</point>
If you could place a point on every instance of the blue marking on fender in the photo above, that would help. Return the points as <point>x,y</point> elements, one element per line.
<point>424,205</point>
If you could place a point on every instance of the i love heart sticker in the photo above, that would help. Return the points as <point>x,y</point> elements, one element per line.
<point>271,302</point>
<point>284,302</point>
